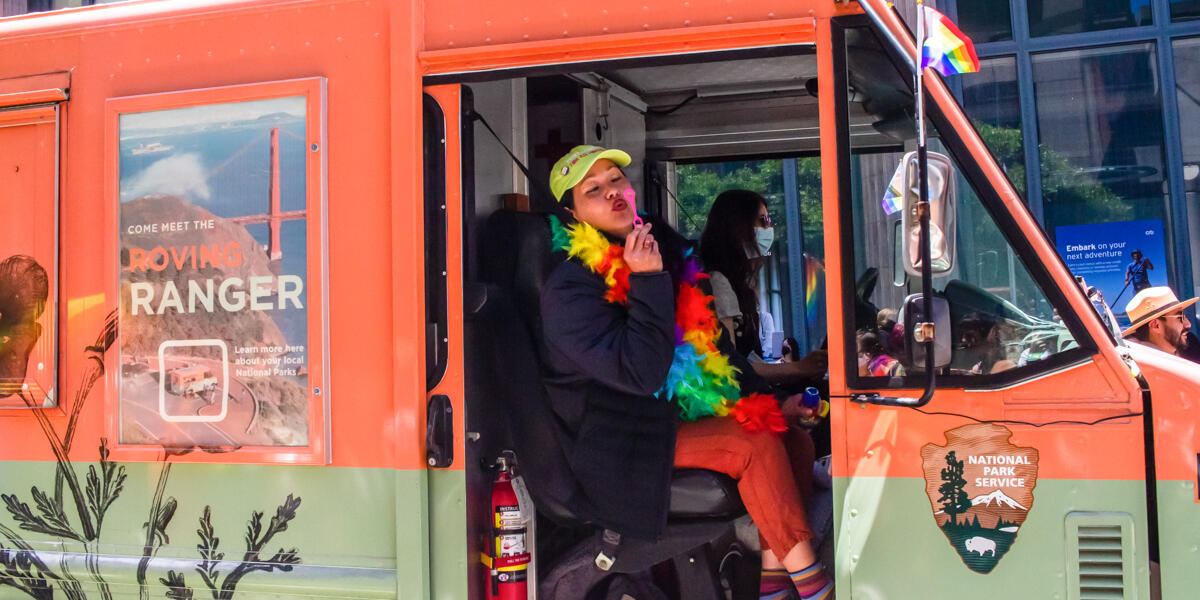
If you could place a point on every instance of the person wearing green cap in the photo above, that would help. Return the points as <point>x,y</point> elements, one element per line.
<point>589,182</point>
<point>614,319</point>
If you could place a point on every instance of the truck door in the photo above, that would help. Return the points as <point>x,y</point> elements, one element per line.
<point>443,192</point>
<point>1023,477</point>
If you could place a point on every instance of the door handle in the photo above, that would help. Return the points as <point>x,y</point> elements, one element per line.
<point>439,432</point>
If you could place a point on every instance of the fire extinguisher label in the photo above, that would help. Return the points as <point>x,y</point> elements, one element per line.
<point>511,576</point>
<point>508,516</point>
<point>511,544</point>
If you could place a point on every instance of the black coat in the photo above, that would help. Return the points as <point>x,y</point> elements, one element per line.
<point>605,364</point>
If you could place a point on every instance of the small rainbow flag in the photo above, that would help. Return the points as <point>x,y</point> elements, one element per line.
<point>814,289</point>
<point>946,49</point>
<point>893,196</point>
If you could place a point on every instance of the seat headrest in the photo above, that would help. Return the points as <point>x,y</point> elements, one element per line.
<point>516,258</point>
<point>516,255</point>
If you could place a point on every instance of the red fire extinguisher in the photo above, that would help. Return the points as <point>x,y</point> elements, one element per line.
<point>509,555</point>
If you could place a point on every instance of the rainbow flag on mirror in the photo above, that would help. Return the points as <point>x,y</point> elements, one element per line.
<point>946,49</point>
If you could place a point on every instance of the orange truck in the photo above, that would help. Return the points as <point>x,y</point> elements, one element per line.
<point>191,380</point>
<point>304,197</point>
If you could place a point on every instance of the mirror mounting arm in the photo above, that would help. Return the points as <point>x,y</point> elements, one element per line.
<point>873,12</point>
<point>926,273</point>
<point>905,402</point>
<point>925,329</point>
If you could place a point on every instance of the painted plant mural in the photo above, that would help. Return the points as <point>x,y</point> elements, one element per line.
<point>72,507</point>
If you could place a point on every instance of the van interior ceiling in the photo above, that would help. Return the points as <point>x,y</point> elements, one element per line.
<point>752,104</point>
<point>664,111</point>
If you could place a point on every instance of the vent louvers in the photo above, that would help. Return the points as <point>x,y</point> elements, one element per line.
<point>1101,555</point>
<point>1101,563</point>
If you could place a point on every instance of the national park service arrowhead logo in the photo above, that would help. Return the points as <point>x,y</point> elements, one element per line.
<point>981,489</point>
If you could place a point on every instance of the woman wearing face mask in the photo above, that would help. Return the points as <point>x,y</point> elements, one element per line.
<point>737,239</point>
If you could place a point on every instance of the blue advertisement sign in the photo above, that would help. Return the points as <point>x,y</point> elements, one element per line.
<point>1117,258</point>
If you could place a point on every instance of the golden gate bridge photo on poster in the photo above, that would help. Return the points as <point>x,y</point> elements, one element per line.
<point>213,275</point>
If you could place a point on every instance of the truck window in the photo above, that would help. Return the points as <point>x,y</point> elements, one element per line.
<point>792,281</point>
<point>436,344</point>
<point>20,7</point>
<point>1004,325</point>
<point>28,256</point>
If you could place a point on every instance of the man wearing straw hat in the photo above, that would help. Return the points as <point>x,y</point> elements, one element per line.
<point>1157,320</point>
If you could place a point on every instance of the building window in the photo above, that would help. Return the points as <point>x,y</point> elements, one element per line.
<point>1187,89</point>
<point>9,8</point>
<point>990,99</point>
<point>1185,10</point>
<point>1051,17</point>
<point>986,21</point>
<point>1100,127</point>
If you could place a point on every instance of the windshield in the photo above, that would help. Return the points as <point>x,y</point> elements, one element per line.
<point>1004,324</point>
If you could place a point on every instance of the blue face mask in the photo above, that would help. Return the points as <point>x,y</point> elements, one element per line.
<point>764,237</point>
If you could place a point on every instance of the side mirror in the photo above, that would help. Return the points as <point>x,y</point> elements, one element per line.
<point>941,214</point>
<point>943,343</point>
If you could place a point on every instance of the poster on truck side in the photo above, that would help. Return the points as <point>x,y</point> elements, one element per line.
<point>215,288</point>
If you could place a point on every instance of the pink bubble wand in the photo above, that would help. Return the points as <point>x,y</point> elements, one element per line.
<point>630,195</point>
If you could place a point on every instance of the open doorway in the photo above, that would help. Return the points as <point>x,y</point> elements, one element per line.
<point>694,126</point>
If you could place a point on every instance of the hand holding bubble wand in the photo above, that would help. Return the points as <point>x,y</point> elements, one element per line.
<point>630,196</point>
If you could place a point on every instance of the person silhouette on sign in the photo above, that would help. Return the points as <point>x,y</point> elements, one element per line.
<point>1138,271</point>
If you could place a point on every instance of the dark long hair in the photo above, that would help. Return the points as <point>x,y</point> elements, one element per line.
<point>677,251</point>
<point>728,232</point>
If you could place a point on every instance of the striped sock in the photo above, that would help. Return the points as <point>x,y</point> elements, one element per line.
<point>774,584</point>
<point>812,583</point>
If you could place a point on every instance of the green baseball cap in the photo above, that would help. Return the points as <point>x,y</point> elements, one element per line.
<point>570,169</point>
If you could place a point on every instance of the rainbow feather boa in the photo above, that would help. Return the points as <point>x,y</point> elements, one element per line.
<point>701,379</point>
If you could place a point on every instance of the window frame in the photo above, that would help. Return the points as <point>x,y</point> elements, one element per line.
<point>437,346</point>
<point>974,176</point>
<point>791,271</point>
<point>26,101</point>
<point>318,451</point>
<point>1030,24</point>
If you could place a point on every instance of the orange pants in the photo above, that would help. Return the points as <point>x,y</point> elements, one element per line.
<point>767,476</point>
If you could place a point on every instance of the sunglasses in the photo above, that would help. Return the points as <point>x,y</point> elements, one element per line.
<point>765,221</point>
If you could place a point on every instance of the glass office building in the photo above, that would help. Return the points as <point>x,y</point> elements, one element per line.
<point>1093,109</point>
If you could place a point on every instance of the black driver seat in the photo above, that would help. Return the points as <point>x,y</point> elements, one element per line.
<point>516,258</point>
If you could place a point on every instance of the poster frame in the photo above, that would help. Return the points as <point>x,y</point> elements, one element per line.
<point>314,90</point>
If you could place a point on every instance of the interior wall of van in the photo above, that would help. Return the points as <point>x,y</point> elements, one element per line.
<point>615,117</point>
<point>503,104</point>
<point>555,121</point>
